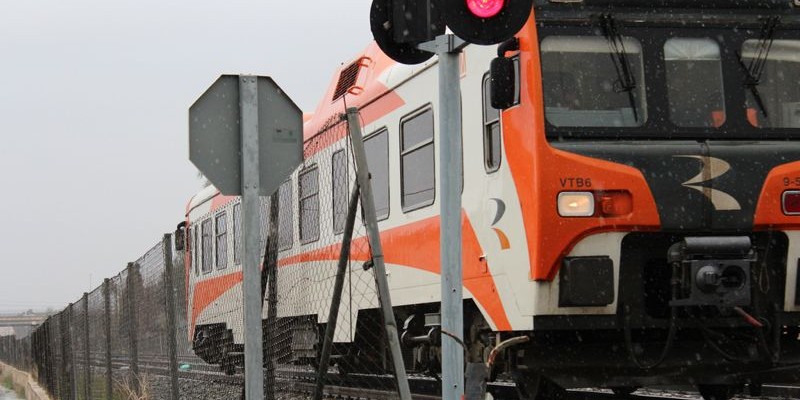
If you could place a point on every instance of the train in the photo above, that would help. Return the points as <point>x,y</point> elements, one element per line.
<point>631,201</point>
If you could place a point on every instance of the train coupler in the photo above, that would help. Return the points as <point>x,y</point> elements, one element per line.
<point>712,271</point>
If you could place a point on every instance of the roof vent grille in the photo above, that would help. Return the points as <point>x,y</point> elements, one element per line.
<point>347,79</point>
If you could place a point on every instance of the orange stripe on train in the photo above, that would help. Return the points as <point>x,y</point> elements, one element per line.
<point>416,245</point>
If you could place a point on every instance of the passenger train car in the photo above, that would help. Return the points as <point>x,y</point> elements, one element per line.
<point>635,210</point>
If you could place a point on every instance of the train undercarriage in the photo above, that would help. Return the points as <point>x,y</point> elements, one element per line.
<point>701,311</point>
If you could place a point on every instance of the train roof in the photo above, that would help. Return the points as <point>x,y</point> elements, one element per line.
<point>204,195</point>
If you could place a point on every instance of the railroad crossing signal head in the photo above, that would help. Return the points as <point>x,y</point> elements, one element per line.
<point>399,26</point>
<point>486,21</point>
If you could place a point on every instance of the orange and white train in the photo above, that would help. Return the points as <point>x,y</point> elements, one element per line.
<point>634,211</point>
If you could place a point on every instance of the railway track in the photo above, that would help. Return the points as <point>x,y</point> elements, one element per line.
<point>299,382</point>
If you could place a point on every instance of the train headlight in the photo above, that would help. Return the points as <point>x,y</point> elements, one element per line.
<point>576,204</point>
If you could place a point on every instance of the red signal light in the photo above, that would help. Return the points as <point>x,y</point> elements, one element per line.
<point>485,8</point>
<point>791,202</point>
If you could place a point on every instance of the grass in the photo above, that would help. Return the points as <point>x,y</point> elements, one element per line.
<point>124,389</point>
<point>121,390</point>
<point>8,382</point>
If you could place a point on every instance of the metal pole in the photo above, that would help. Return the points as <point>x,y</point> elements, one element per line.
<point>169,287</point>
<point>107,317</point>
<point>374,237</point>
<point>87,390</point>
<point>133,329</point>
<point>336,298</point>
<point>450,170</point>
<point>251,237</point>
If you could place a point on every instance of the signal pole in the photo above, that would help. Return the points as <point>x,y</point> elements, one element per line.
<point>448,48</point>
<point>251,207</point>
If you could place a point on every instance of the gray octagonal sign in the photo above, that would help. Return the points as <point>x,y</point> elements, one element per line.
<point>215,144</point>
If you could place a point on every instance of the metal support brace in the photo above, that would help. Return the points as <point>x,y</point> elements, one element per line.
<point>336,298</point>
<point>251,238</point>
<point>373,234</point>
<point>448,47</point>
<point>107,326</point>
<point>169,290</point>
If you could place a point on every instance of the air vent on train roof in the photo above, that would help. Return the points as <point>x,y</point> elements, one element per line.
<point>348,78</point>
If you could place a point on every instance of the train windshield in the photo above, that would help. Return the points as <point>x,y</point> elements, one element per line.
<point>777,89</point>
<point>694,82</point>
<point>583,82</point>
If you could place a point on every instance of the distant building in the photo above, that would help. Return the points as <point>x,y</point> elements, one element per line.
<point>6,331</point>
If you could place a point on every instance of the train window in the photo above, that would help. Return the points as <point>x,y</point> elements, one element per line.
<point>694,82</point>
<point>308,204</point>
<point>777,88</point>
<point>237,236</point>
<point>417,160</point>
<point>586,85</point>
<point>206,245</point>
<point>195,252</point>
<point>492,142</point>
<point>221,241</point>
<point>285,223</point>
<point>341,189</point>
<point>377,149</point>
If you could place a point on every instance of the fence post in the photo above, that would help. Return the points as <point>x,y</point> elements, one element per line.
<point>67,377</point>
<point>169,287</point>
<point>133,269</point>
<point>271,286</point>
<point>87,390</point>
<point>107,326</point>
<point>57,354</point>
<point>47,357</point>
<point>73,332</point>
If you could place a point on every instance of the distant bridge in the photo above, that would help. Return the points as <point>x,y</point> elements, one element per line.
<point>22,324</point>
<point>22,320</point>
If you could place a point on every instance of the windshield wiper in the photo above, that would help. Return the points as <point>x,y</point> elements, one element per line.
<point>755,69</point>
<point>626,80</point>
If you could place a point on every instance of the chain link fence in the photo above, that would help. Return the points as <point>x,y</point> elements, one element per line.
<point>321,284</point>
<point>169,326</point>
<point>17,352</point>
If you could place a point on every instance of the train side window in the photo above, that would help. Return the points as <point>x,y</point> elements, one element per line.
<point>340,189</point>
<point>308,204</point>
<point>221,240</point>
<point>377,149</point>
<point>195,252</point>
<point>492,141</point>
<point>205,233</point>
<point>237,236</point>
<point>417,161</point>
<point>285,216</point>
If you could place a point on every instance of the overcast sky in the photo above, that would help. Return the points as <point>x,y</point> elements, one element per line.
<point>94,96</point>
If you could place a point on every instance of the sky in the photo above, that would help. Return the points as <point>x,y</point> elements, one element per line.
<point>94,99</point>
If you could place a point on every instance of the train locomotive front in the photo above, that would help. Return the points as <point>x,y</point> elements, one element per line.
<point>665,157</point>
<point>631,208</point>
